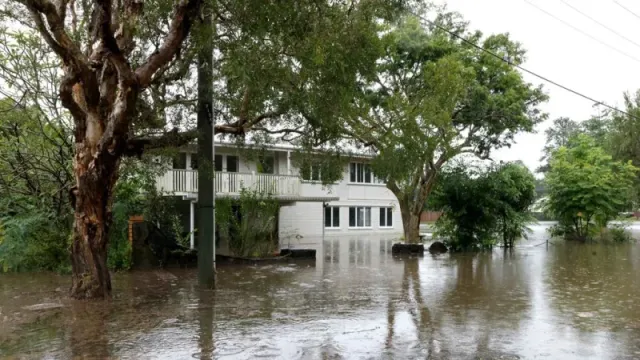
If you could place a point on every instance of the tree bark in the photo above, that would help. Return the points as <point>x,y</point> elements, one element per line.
<point>410,223</point>
<point>412,200</point>
<point>92,199</point>
<point>100,89</point>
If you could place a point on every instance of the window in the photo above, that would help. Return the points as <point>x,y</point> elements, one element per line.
<point>359,217</point>
<point>332,217</point>
<point>180,161</point>
<point>386,217</point>
<point>217,163</point>
<point>266,165</point>
<point>310,173</point>
<point>194,161</point>
<point>361,173</point>
<point>232,163</point>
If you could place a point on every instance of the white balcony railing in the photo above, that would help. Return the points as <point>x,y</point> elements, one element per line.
<point>180,181</point>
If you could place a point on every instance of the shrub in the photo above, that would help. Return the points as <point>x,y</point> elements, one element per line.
<point>483,207</point>
<point>249,223</point>
<point>35,241</point>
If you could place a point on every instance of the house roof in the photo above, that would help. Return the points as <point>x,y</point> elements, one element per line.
<point>352,152</point>
<point>284,198</point>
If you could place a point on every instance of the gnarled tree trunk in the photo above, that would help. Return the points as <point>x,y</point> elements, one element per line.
<point>100,89</point>
<point>93,196</point>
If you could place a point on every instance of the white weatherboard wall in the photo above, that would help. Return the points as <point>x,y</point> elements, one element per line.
<point>306,219</point>
<point>302,222</point>
<point>299,221</point>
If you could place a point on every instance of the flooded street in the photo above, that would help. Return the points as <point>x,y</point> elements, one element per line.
<point>564,301</point>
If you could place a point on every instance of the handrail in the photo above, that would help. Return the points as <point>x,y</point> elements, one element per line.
<point>186,181</point>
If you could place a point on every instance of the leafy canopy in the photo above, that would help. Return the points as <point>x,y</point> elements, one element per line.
<point>483,206</point>
<point>585,184</point>
<point>435,97</point>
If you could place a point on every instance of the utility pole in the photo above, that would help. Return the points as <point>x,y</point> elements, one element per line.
<point>206,166</point>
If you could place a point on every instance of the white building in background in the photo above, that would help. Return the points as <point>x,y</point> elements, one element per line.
<point>358,204</point>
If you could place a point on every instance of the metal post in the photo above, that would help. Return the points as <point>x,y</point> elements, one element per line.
<point>213,193</point>
<point>192,210</point>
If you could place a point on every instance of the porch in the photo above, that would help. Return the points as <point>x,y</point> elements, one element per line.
<point>184,182</point>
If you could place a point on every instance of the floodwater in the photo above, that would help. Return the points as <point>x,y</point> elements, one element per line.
<point>561,301</point>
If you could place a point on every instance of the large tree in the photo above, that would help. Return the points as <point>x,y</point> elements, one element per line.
<point>624,135</point>
<point>563,129</point>
<point>586,186</point>
<point>435,97</point>
<point>283,69</point>
<point>482,207</point>
<point>104,73</point>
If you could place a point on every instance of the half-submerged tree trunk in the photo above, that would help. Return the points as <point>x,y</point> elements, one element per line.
<point>100,89</point>
<point>92,195</point>
<point>412,199</point>
<point>410,223</point>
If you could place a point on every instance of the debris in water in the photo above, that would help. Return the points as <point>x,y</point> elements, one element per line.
<point>43,306</point>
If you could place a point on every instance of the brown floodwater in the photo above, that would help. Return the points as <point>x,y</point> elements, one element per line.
<point>561,301</point>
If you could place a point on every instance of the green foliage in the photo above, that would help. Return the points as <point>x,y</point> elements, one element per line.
<point>587,188</point>
<point>617,233</point>
<point>33,242</point>
<point>136,194</point>
<point>248,224</point>
<point>328,165</point>
<point>624,134</point>
<point>435,97</point>
<point>482,207</point>
<point>563,129</point>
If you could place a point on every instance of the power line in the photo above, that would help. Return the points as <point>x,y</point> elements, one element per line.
<point>523,69</point>
<point>599,23</point>
<point>582,32</point>
<point>626,8</point>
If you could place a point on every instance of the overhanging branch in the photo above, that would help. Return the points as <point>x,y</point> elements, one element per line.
<point>183,17</point>
<point>174,138</point>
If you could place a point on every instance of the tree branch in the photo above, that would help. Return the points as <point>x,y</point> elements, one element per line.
<point>183,18</point>
<point>173,138</point>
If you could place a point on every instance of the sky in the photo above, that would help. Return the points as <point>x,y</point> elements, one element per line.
<point>596,68</point>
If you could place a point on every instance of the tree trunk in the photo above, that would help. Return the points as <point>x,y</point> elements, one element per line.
<point>92,201</point>
<point>410,223</point>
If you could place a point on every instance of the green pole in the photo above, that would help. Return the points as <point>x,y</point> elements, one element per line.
<point>206,166</point>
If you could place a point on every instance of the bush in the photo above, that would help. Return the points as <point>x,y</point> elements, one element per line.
<point>36,241</point>
<point>617,233</point>
<point>483,207</point>
<point>587,188</point>
<point>248,224</point>
<point>136,194</point>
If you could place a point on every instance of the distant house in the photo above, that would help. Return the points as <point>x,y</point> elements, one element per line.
<point>357,204</point>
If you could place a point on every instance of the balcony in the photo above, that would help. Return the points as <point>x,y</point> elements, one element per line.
<point>185,182</point>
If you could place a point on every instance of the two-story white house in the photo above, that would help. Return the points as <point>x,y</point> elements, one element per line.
<point>359,204</point>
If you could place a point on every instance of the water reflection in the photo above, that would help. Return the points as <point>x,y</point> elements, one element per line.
<point>356,301</point>
<point>205,323</point>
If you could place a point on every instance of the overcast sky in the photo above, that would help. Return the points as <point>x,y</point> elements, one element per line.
<point>565,55</point>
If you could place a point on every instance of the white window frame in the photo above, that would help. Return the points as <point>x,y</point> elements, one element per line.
<point>332,216</point>
<point>361,169</point>
<point>387,214</point>
<point>311,173</point>
<point>361,212</point>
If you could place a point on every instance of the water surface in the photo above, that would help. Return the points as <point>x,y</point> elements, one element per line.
<point>561,301</point>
